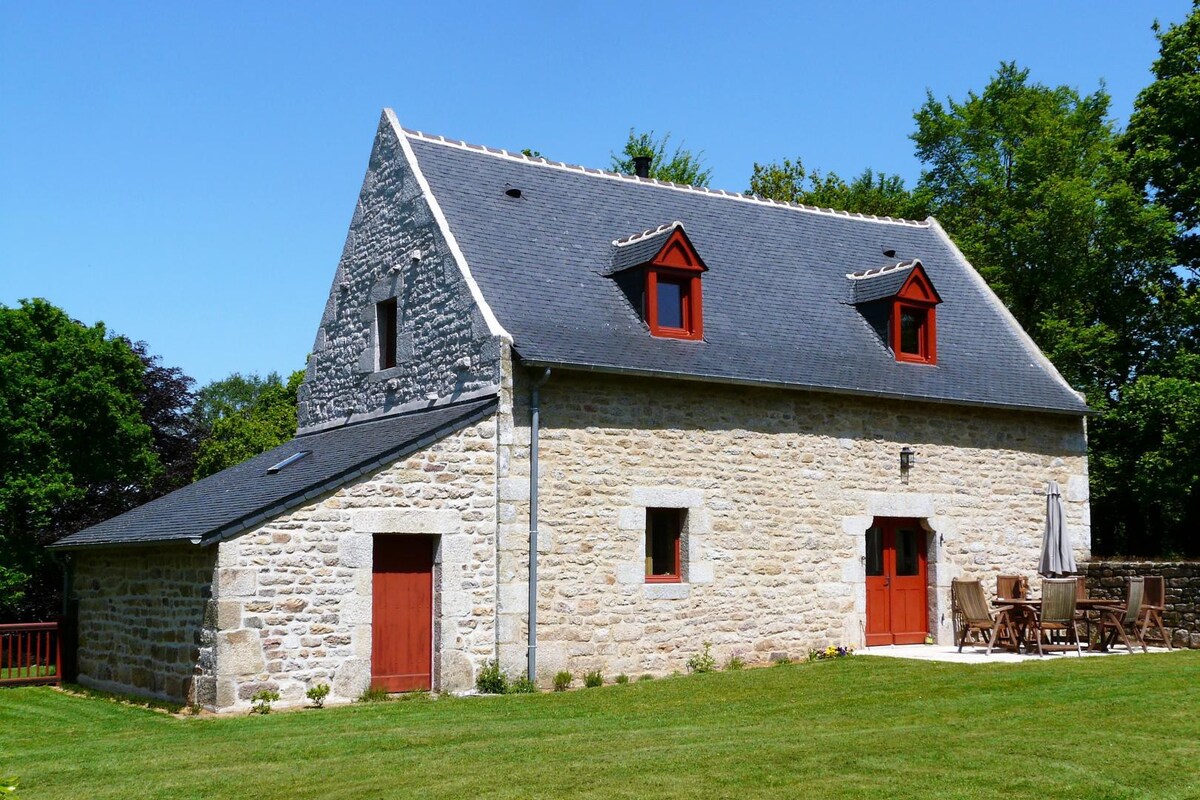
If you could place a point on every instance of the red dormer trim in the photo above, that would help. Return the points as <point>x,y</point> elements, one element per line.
<point>677,268</point>
<point>914,319</point>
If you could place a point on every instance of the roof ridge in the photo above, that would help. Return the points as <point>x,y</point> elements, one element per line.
<point>602,173</point>
<point>637,237</point>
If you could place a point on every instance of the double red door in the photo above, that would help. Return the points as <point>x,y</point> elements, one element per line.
<point>897,601</point>
<point>402,613</point>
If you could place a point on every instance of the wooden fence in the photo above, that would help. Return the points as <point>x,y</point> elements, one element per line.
<point>30,653</point>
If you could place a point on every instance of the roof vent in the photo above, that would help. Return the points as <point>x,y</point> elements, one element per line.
<point>287,462</point>
<point>641,166</point>
<point>889,253</point>
<point>513,192</point>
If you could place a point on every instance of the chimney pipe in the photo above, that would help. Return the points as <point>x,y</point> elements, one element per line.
<point>641,166</point>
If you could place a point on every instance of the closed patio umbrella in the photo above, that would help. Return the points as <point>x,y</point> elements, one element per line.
<point>1057,558</point>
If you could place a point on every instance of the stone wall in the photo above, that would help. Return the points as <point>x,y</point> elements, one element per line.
<point>395,249</point>
<point>780,487</point>
<point>1181,580</point>
<point>145,621</point>
<point>293,597</point>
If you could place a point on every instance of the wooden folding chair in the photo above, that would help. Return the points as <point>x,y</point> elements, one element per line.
<point>971,608</point>
<point>1057,615</point>
<point>1154,602</point>
<point>1011,587</point>
<point>1114,619</point>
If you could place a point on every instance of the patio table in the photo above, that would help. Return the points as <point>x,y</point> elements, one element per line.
<point>1023,610</point>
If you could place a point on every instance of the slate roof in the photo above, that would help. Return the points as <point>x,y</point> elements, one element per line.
<point>243,496</point>
<point>885,282</point>
<point>776,305</point>
<point>636,250</point>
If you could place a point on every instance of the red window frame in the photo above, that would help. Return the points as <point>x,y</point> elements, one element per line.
<point>691,301</point>
<point>916,295</point>
<point>926,332</point>
<point>678,262</point>
<point>676,574</point>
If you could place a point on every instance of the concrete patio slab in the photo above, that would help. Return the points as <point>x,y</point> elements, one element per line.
<point>972,655</point>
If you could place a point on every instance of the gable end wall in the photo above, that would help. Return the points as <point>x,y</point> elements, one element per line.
<point>444,348</point>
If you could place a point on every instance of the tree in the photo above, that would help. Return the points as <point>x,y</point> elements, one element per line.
<point>1164,132</point>
<point>77,443</point>
<point>1145,449</point>
<point>870,193</point>
<point>229,396</point>
<point>683,166</point>
<point>251,415</point>
<point>1033,186</point>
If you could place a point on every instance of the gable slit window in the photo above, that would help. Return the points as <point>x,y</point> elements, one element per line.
<point>385,333</point>
<point>664,537</point>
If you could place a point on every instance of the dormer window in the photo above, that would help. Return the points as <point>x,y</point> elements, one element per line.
<point>900,302</point>
<point>668,294</point>
<point>913,338</point>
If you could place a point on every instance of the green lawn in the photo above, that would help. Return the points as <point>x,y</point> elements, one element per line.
<point>862,727</point>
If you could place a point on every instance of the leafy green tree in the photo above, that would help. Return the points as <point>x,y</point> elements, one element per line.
<point>682,166</point>
<point>870,193</point>
<point>1164,131</point>
<point>242,428</point>
<point>77,440</point>
<point>1146,448</point>
<point>1033,186</point>
<point>229,396</point>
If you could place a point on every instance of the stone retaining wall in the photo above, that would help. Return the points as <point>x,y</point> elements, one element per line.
<point>145,621</point>
<point>1181,580</point>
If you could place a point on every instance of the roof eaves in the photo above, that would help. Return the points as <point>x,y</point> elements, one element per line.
<point>838,390</point>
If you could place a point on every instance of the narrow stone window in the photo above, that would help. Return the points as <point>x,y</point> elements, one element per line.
<point>664,536</point>
<point>385,333</point>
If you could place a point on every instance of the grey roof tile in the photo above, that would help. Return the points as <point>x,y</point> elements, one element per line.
<point>776,305</point>
<point>240,497</point>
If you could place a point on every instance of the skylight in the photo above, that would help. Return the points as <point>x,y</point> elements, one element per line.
<point>287,462</point>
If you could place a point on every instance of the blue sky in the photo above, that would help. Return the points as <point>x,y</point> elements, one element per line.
<point>186,172</point>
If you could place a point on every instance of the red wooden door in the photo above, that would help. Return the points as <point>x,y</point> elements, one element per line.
<point>897,610</point>
<point>402,613</point>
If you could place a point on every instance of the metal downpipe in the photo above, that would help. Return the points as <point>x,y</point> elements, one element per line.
<point>534,425</point>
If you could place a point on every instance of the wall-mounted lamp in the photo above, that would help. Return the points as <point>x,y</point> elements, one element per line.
<point>908,457</point>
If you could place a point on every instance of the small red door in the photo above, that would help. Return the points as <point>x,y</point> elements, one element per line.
<point>402,613</point>
<point>897,610</point>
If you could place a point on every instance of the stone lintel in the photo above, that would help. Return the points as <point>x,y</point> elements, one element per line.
<point>406,520</point>
<point>666,497</point>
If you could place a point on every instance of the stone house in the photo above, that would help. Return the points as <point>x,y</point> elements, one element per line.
<point>717,418</point>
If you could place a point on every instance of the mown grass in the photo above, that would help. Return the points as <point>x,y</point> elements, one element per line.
<point>1108,728</point>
